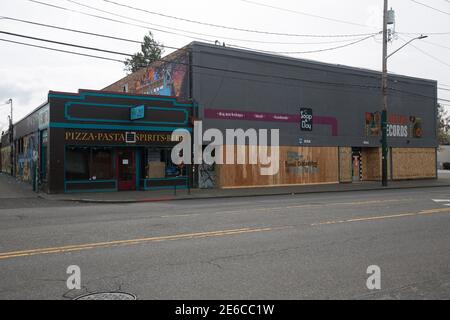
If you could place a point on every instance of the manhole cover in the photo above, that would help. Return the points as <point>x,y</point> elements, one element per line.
<point>107,296</point>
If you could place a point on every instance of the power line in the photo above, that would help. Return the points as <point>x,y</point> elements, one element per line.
<point>65,43</point>
<point>124,39</point>
<point>335,84</point>
<point>306,14</point>
<point>114,20</point>
<point>311,51</point>
<point>184,48</point>
<point>431,56</point>
<point>82,32</point>
<point>436,44</point>
<point>71,30</point>
<point>130,55</point>
<point>222,26</point>
<point>430,7</point>
<point>150,26</point>
<point>445,33</point>
<point>62,51</point>
<point>427,54</point>
<point>197,33</point>
<point>206,68</point>
<point>242,58</point>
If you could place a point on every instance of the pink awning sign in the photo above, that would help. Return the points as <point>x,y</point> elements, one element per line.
<point>269,117</point>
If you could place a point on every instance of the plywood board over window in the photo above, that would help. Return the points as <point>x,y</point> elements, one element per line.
<point>345,164</point>
<point>413,163</point>
<point>297,165</point>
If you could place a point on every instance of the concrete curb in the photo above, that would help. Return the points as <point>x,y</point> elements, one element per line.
<point>284,193</point>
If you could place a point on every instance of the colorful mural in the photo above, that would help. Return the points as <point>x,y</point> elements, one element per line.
<point>398,126</point>
<point>6,159</point>
<point>166,79</point>
<point>25,164</point>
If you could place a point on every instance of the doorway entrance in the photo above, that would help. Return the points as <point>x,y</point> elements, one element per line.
<point>356,164</point>
<point>126,170</point>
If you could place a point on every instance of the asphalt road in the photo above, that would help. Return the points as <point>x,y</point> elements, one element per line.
<point>284,247</point>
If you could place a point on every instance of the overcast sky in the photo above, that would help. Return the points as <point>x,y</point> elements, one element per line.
<point>27,74</point>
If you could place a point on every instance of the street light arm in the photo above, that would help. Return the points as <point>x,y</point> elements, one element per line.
<point>418,38</point>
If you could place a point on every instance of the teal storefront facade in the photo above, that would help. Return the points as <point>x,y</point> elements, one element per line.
<point>96,141</point>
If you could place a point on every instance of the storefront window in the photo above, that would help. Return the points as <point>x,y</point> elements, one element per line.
<point>89,164</point>
<point>77,164</point>
<point>102,164</point>
<point>159,165</point>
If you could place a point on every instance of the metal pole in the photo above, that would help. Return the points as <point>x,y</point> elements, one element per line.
<point>11,138</point>
<point>384,117</point>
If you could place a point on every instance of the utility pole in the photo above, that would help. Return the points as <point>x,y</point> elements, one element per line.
<point>11,137</point>
<point>384,114</point>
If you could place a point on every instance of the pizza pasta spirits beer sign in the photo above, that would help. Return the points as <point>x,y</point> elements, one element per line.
<point>306,119</point>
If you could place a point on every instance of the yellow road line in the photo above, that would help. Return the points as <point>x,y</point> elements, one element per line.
<point>401,215</point>
<point>72,248</point>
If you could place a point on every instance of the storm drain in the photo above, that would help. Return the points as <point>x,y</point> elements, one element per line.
<point>107,296</point>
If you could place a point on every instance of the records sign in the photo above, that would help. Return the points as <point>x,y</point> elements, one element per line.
<point>306,119</point>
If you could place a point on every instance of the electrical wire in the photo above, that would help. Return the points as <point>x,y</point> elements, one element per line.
<point>426,53</point>
<point>197,33</point>
<point>116,21</point>
<point>306,14</point>
<point>71,30</point>
<point>140,42</point>
<point>230,71</point>
<point>59,50</point>
<point>311,51</point>
<point>205,67</point>
<point>150,26</point>
<point>222,26</point>
<point>436,44</point>
<point>65,43</point>
<point>167,61</point>
<point>431,56</point>
<point>430,7</point>
<point>130,55</point>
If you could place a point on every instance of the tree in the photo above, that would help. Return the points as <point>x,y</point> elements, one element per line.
<point>443,125</point>
<point>151,51</point>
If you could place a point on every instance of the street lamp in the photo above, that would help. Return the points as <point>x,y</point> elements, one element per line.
<point>417,38</point>
<point>387,19</point>
<point>10,102</point>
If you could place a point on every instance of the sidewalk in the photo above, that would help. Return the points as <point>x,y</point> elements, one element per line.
<point>10,188</point>
<point>196,194</point>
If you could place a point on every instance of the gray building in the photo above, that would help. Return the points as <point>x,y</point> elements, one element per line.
<point>328,115</point>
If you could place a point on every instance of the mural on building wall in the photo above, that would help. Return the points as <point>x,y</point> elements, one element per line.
<point>167,79</point>
<point>6,159</point>
<point>399,126</point>
<point>26,159</point>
